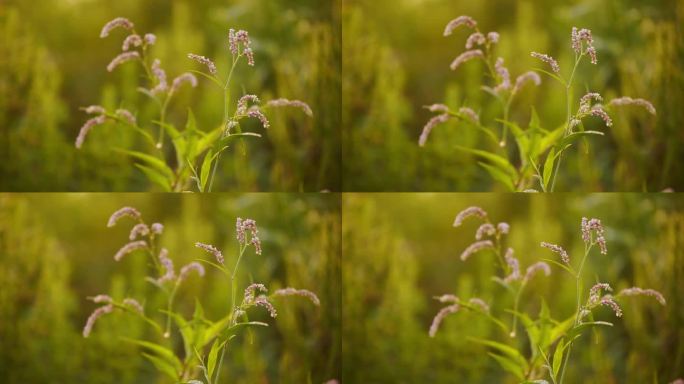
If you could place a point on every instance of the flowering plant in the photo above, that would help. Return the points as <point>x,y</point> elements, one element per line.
<point>546,335</point>
<point>189,144</point>
<point>536,164</point>
<point>204,341</point>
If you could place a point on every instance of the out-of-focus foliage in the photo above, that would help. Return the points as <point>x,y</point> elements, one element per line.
<point>640,54</point>
<point>56,250</point>
<point>393,267</point>
<point>53,62</point>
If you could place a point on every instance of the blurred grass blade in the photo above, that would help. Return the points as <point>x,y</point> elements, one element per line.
<point>509,365</point>
<point>496,160</point>
<point>507,350</point>
<point>156,177</point>
<point>162,366</point>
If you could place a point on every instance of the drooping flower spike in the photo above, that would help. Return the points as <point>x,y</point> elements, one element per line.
<point>468,212</point>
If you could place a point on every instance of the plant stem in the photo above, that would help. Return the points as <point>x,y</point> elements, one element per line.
<point>226,102</point>
<point>568,89</point>
<point>515,309</point>
<point>169,304</point>
<point>578,284</point>
<point>220,363</point>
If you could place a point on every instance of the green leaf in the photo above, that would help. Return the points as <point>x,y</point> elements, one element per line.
<point>496,160</point>
<point>553,75</point>
<point>199,312</point>
<point>151,161</point>
<point>213,354</point>
<point>499,175</point>
<point>558,357</point>
<point>205,170</point>
<point>162,352</point>
<point>156,177</point>
<point>575,135</point>
<point>225,140</point>
<point>507,350</point>
<point>509,365</point>
<point>550,139</point>
<point>162,366</point>
<point>548,167</point>
<point>550,161</point>
<point>565,267</point>
<point>521,138</point>
<point>576,331</point>
<point>559,329</point>
<point>208,140</point>
<point>530,327</point>
<point>185,329</point>
<point>191,122</point>
<point>214,330</point>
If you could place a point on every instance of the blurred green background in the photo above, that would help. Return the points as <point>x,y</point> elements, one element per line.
<point>55,250</point>
<point>400,250</point>
<point>396,60</point>
<point>52,62</point>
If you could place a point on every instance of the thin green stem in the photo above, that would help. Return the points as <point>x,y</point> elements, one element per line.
<point>515,309</point>
<point>578,285</point>
<point>169,305</point>
<point>568,89</point>
<point>220,362</point>
<point>226,103</point>
<point>233,283</point>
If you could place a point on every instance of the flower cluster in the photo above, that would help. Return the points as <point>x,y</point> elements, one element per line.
<point>478,45</point>
<point>510,264</point>
<point>240,44</point>
<point>128,304</point>
<point>133,48</point>
<point>242,226</point>
<point>593,226</point>
<point>211,249</point>
<point>557,249</point>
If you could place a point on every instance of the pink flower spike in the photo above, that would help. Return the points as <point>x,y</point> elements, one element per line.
<point>130,247</point>
<point>461,20</point>
<point>431,124</point>
<point>298,292</point>
<point>548,60</point>
<point>211,249</point>
<point>465,56</point>
<point>203,60</point>
<point>119,22</point>
<point>476,247</point>
<point>444,312</point>
<point>468,212</point>
<point>99,312</point>
<point>123,212</point>
<point>122,58</point>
